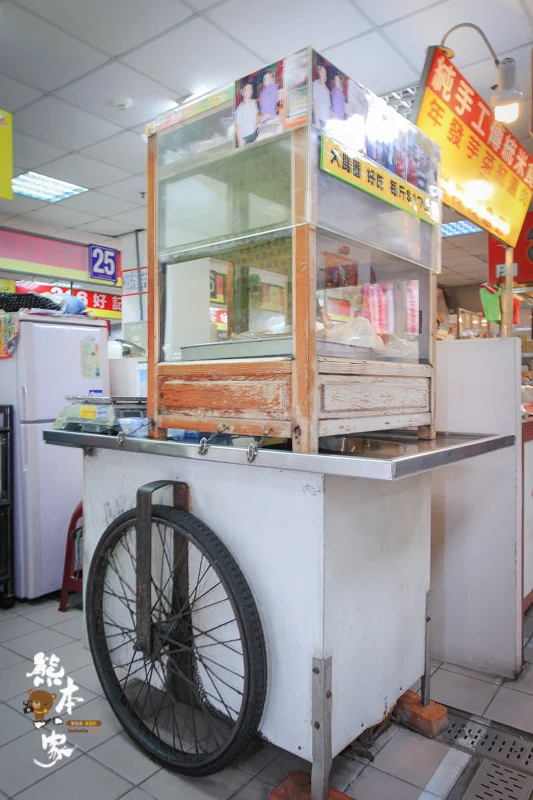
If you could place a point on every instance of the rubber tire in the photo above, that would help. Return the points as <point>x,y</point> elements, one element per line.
<point>244,605</point>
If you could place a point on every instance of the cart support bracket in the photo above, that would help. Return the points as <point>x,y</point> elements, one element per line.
<point>321,721</point>
<point>181,500</point>
<point>426,677</point>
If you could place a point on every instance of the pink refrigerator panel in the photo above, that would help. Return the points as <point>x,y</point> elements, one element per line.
<point>56,360</point>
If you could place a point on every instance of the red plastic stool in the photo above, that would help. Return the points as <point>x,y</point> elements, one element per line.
<point>72,577</point>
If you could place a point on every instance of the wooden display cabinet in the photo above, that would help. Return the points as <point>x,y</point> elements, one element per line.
<point>285,298</point>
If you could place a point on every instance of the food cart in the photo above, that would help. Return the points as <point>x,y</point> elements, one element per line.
<point>280,582</point>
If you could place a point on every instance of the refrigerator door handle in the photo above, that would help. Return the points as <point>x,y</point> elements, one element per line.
<point>24,448</point>
<point>24,393</point>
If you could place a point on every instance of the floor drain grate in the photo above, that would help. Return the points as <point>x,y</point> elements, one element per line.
<point>494,782</point>
<point>485,741</point>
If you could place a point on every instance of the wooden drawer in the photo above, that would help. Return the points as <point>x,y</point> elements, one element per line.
<point>366,395</point>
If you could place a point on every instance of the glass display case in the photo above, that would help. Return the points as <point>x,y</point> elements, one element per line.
<point>294,238</point>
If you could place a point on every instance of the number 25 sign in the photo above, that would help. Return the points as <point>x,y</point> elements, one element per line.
<point>103,263</point>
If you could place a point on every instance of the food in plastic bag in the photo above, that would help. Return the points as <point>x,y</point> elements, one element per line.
<point>358,333</point>
<point>400,348</point>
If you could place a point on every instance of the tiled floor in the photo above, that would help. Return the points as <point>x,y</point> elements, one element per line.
<point>105,764</point>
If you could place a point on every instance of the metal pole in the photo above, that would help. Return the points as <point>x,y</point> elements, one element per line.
<point>426,677</point>
<point>321,710</point>
<point>507,305</point>
<point>139,274</point>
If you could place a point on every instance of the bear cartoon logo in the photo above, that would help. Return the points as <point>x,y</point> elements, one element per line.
<point>39,703</point>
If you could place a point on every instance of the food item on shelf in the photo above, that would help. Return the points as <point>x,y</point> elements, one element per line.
<point>357,333</point>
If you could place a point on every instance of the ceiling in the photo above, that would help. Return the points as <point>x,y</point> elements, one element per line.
<point>63,62</point>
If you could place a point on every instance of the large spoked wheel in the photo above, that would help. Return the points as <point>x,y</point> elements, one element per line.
<point>196,699</point>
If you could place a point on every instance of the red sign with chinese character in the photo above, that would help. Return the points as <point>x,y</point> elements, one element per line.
<point>523,255</point>
<point>486,174</point>
<point>99,304</point>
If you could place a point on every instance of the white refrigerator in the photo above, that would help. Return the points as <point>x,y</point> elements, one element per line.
<point>54,357</point>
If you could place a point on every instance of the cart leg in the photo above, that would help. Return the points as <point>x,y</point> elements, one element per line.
<point>322,757</point>
<point>426,677</point>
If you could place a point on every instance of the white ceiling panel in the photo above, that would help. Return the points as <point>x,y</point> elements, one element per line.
<point>382,11</point>
<point>97,91</point>
<point>456,263</point>
<point>111,25</point>
<point>30,152</point>
<point>527,143</point>
<point>287,26</point>
<point>207,58</point>
<point>4,216</point>
<point>202,5</point>
<point>62,124</point>
<point>14,95</point>
<point>102,205</point>
<point>108,227</point>
<point>130,189</point>
<point>32,226</point>
<point>83,171</point>
<point>504,23</point>
<point>127,150</point>
<point>137,218</point>
<point>38,54</point>
<point>358,59</point>
<point>19,205</point>
<point>64,217</point>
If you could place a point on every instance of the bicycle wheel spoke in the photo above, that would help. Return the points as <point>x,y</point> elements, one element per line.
<point>183,694</point>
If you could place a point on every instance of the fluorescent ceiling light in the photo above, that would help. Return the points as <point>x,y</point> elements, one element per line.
<point>459,228</point>
<point>41,187</point>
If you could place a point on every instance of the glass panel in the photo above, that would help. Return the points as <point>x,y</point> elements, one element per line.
<point>370,305</point>
<point>222,194</point>
<point>235,303</point>
<point>349,211</point>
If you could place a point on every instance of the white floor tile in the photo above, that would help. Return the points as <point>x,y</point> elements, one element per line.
<point>461,691</point>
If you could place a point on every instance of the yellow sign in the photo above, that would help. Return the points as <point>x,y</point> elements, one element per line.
<point>7,285</point>
<point>359,171</point>
<point>486,174</point>
<point>6,155</point>
<point>88,412</point>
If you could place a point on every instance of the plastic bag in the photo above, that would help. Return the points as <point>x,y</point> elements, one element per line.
<point>358,333</point>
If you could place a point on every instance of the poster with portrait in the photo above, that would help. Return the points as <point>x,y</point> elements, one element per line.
<point>258,105</point>
<point>328,92</point>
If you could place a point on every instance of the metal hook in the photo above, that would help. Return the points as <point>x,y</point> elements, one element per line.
<point>204,441</point>
<point>254,447</point>
<point>122,435</point>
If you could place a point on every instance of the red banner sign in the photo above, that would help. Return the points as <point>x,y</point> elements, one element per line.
<point>99,304</point>
<point>523,255</point>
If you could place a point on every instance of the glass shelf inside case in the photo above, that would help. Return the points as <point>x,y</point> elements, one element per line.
<point>370,305</point>
<point>235,302</point>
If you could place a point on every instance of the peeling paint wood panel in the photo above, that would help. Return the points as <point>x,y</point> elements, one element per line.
<point>368,393</point>
<point>230,398</point>
<point>376,578</point>
<point>340,366</point>
<point>270,369</point>
<point>358,424</point>
<point>304,384</point>
<point>259,514</point>
<point>247,426</point>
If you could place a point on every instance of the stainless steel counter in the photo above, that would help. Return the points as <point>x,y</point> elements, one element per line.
<point>380,456</point>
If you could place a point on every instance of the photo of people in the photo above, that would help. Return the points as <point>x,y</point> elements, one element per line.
<point>258,105</point>
<point>328,92</point>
